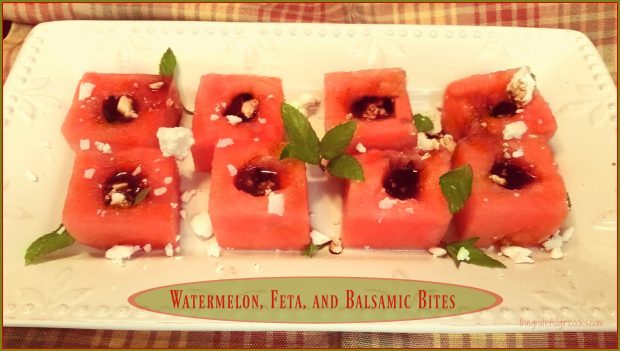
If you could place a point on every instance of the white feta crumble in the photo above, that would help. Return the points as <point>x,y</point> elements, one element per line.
<point>31,176</point>
<point>118,253</point>
<point>104,148</point>
<point>448,142</point>
<point>521,87</point>
<point>167,180</point>
<point>262,120</point>
<point>89,173</point>
<point>177,238</point>
<point>214,117</point>
<point>497,179</point>
<point>156,85</point>
<point>435,117</point>
<point>514,130</point>
<point>517,254</point>
<point>84,144</point>
<point>125,107</point>
<point>137,171</point>
<point>201,225</point>
<point>147,248</point>
<point>462,254</point>
<point>307,104</point>
<point>427,144</point>
<point>169,250</point>
<point>222,143</point>
<point>437,251</point>
<point>86,90</point>
<point>174,204</point>
<point>232,170</point>
<point>169,102</point>
<point>319,238</point>
<point>387,203</point>
<point>117,198</point>
<point>518,153</point>
<point>360,148</point>
<point>270,96</point>
<point>232,119</point>
<point>555,243</point>
<point>557,254</point>
<point>425,156</point>
<point>275,204</point>
<point>175,141</point>
<point>160,191</point>
<point>214,250</point>
<point>188,195</point>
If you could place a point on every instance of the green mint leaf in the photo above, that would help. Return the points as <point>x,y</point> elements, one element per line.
<point>141,196</point>
<point>345,166</point>
<point>476,256</point>
<point>337,139</point>
<point>312,249</point>
<point>167,64</point>
<point>298,129</point>
<point>422,123</point>
<point>48,243</point>
<point>456,187</point>
<point>300,152</point>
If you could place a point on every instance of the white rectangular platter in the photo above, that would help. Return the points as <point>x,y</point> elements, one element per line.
<point>79,288</point>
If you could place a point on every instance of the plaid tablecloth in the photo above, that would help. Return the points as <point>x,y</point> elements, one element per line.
<point>597,20</point>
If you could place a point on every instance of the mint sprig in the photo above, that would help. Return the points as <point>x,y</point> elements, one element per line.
<point>456,187</point>
<point>422,123</point>
<point>304,144</point>
<point>476,256</point>
<point>312,249</point>
<point>48,243</point>
<point>168,63</point>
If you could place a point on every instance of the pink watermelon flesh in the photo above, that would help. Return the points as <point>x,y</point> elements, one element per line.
<point>215,94</point>
<point>153,221</point>
<point>241,220</point>
<point>344,89</point>
<point>526,216</point>
<point>155,108</point>
<point>415,223</point>
<point>468,103</point>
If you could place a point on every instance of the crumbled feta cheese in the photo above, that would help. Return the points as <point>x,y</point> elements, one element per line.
<point>147,248</point>
<point>232,170</point>
<point>256,139</point>
<point>435,117</point>
<point>160,191</point>
<point>360,148</point>
<point>169,250</point>
<point>437,251</point>
<point>348,116</point>
<point>104,148</point>
<point>177,238</point>
<point>201,225</point>
<point>427,144</point>
<point>448,142</point>
<point>275,204</point>
<point>31,176</point>
<point>156,85</point>
<point>517,153</point>
<point>425,156</point>
<point>117,198</point>
<point>175,141</point>
<point>521,87</point>
<point>262,120</point>
<point>137,171</point>
<point>84,144</point>
<point>497,179</point>
<point>86,90</point>
<point>555,243</point>
<point>118,253</point>
<point>248,108</point>
<point>270,96</point>
<point>89,173</point>
<point>214,117</point>
<point>319,238</point>
<point>214,250</point>
<point>307,104</point>
<point>387,203</point>
<point>125,107</point>
<point>232,119</point>
<point>516,194</point>
<point>167,180</point>
<point>462,254</point>
<point>557,254</point>
<point>222,143</point>
<point>514,130</point>
<point>517,254</point>
<point>174,204</point>
<point>188,195</point>
<point>169,102</point>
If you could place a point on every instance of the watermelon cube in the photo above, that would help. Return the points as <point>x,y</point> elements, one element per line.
<point>400,204</point>
<point>106,203</point>
<point>258,202</point>
<point>481,103</point>
<point>235,107</point>
<point>377,100</point>
<point>517,195</point>
<point>123,110</point>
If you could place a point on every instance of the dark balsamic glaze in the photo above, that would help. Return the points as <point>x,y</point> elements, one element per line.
<point>125,183</point>
<point>235,107</point>
<point>401,181</point>
<point>257,180</point>
<point>516,176</point>
<point>110,112</point>
<point>373,107</point>
<point>504,108</point>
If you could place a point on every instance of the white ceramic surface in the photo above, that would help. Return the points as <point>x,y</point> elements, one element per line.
<point>81,289</point>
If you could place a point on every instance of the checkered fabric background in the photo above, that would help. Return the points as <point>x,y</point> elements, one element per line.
<point>597,20</point>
